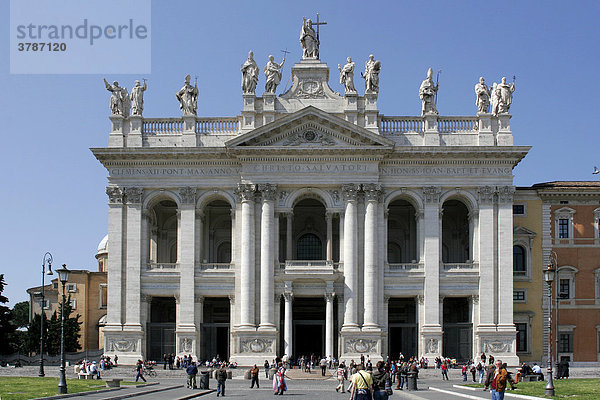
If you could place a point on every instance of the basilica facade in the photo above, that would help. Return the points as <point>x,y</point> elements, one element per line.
<point>311,223</point>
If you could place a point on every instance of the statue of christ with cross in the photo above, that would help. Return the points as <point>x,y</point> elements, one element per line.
<point>309,39</point>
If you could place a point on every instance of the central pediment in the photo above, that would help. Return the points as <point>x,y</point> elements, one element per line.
<point>309,128</point>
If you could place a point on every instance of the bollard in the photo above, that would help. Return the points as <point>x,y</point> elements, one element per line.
<point>204,378</point>
<point>412,380</point>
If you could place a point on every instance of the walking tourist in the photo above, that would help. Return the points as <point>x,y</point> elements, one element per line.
<point>342,375</point>
<point>221,376</point>
<point>323,365</point>
<point>254,371</point>
<point>140,371</point>
<point>192,371</point>
<point>381,382</point>
<point>267,367</point>
<point>497,381</point>
<point>279,385</point>
<point>362,385</point>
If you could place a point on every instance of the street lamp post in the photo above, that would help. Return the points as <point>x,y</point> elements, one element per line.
<point>63,276</point>
<point>47,260</point>
<point>549,273</point>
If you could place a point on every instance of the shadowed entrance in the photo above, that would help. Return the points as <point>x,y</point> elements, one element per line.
<point>308,326</point>
<point>402,317</point>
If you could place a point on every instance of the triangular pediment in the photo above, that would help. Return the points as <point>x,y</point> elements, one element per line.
<point>309,128</point>
<point>522,231</point>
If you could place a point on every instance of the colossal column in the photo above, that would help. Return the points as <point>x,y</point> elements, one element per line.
<point>133,195</point>
<point>431,333</point>
<point>371,287</point>
<point>350,192</point>
<point>185,320</point>
<point>267,256</point>
<point>486,260</point>
<point>246,194</point>
<point>115,261</point>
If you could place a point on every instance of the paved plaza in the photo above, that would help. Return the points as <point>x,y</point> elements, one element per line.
<point>172,385</point>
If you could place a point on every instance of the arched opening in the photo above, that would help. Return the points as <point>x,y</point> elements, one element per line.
<point>216,237</point>
<point>309,230</point>
<point>402,233</point>
<point>455,232</point>
<point>163,232</point>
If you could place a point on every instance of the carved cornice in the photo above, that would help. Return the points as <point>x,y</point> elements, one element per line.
<point>268,191</point>
<point>486,194</point>
<point>505,194</point>
<point>133,195</point>
<point>245,192</point>
<point>188,195</point>
<point>350,191</point>
<point>431,194</point>
<point>115,195</point>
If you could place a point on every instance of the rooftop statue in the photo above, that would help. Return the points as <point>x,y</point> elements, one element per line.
<point>188,97</point>
<point>309,40</point>
<point>371,75</point>
<point>273,74</point>
<point>249,74</point>
<point>137,98</point>
<point>427,93</point>
<point>119,99</point>
<point>347,75</point>
<point>502,97</point>
<point>482,92</point>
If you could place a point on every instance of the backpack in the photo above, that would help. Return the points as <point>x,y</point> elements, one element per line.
<point>479,367</point>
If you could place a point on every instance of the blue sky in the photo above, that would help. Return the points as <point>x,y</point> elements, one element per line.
<point>54,189</point>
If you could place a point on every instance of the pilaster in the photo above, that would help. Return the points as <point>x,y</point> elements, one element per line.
<point>432,134</point>
<point>487,274</point>
<point>116,138</point>
<point>133,197</point>
<point>268,108</point>
<point>185,320</point>
<point>351,107</point>
<point>484,124</point>
<point>134,138</point>
<point>249,112</point>
<point>371,113</point>
<point>188,139</point>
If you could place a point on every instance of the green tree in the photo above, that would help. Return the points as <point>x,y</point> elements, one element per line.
<point>72,327</point>
<point>20,315</point>
<point>32,341</point>
<point>6,328</point>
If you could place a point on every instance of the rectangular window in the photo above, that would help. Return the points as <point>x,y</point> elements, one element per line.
<point>563,228</point>
<point>73,304</point>
<point>103,296</point>
<point>564,289</point>
<point>46,304</point>
<point>518,209</point>
<point>521,337</point>
<point>71,287</point>
<point>565,342</point>
<point>519,295</point>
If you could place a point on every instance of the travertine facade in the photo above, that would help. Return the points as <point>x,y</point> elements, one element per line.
<point>310,215</point>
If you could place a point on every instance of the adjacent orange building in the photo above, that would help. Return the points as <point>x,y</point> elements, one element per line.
<point>571,226</point>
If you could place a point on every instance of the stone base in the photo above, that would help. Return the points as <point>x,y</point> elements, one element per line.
<point>500,344</point>
<point>127,345</point>
<point>355,343</point>
<point>249,347</point>
<point>430,344</point>
<point>186,342</point>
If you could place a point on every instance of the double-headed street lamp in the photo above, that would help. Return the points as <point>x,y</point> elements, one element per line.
<point>549,274</point>
<point>47,260</point>
<point>63,276</point>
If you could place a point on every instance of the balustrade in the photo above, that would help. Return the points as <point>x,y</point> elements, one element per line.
<point>217,125</point>
<point>392,125</point>
<point>161,126</point>
<point>457,124</point>
<point>157,267</point>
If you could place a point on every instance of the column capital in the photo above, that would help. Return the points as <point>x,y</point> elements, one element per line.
<point>329,296</point>
<point>268,191</point>
<point>115,195</point>
<point>350,191</point>
<point>373,191</point>
<point>474,299</point>
<point>330,214</point>
<point>188,195</point>
<point>245,192</point>
<point>231,299</point>
<point>486,194</point>
<point>432,194</point>
<point>199,299</point>
<point>288,296</point>
<point>420,299</point>
<point>505,194</point>
<point>133,195</point>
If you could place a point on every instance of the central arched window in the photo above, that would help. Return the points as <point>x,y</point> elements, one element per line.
<point>309,247</point>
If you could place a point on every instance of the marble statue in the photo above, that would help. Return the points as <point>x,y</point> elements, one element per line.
<point>371,75</point>
<point>273,74</point>
<point>482,92</point>
<point>309,40</point>
<point>119,98</point>
<point>347,75</point>
<point>249,74</point>
<point>427,93</point>
<point>137,98</point>
<point>503,93</point>
<point>188,97</point>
